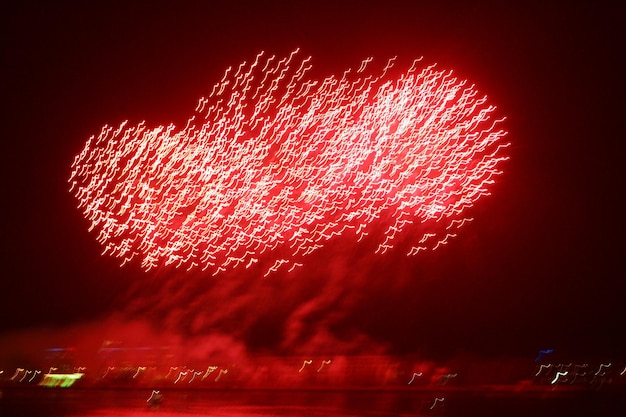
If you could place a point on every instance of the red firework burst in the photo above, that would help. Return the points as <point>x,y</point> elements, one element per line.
<point>273,165</point>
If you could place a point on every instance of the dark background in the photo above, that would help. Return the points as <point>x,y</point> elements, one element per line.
<point>540,267</point>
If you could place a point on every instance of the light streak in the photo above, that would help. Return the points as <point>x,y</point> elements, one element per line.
<point>599,371</point>
<point>181,375</point>
<point>17,372</point>
<point>139,369</point>
<point>209,370</point>
<point>577,374</point>
<point>415,250</point>
<point>34,375</point>
<point>60,380</point>
<point>25,375</point>
<point>222,372</point>
<point>447,378</point>
<point>437,400</point>
<point>294,266</point>
<point>304,364</point>
<point>542,353</point>
<point>542,367</point>
<point>155,395</point>
<point>323,364</point>
<point>578,367</point>
<point>558,375</point>
<point>172,368</point>
<point>415,374</point>
<point>110,368</point>
<point>194,376</point>
<point>274,165</point>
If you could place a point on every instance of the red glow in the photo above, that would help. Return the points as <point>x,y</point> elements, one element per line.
<point>273,165</point>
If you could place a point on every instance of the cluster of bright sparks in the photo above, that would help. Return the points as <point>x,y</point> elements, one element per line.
<point>273,165</point>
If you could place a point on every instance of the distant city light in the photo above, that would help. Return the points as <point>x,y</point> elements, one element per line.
<point>60,380</point>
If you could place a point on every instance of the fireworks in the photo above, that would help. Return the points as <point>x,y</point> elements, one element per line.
<point>273,165</point>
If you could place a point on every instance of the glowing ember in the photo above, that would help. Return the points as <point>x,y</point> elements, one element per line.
<point>274,165</point>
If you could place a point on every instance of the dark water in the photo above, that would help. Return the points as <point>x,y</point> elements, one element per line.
<point>102,403</point>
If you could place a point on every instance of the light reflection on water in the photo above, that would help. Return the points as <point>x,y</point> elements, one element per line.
<point>179,403</point>
<point>232,411</point>
<point>275,403</point>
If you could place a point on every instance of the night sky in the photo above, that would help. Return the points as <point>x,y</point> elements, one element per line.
<point>542,265</point>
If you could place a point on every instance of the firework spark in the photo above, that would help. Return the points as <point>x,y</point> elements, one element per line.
<point>273,165</point>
